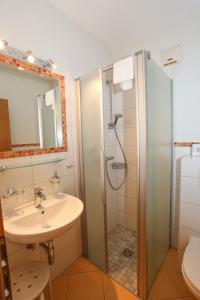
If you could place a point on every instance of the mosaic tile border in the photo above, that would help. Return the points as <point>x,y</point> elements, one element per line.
<point>18,63</point>
<point>185,144</point>
<point>25,145</point>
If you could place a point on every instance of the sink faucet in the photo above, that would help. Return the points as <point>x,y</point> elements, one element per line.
<point>39,197</point>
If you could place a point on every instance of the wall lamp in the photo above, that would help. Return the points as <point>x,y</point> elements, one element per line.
<point>29,56</point>
<point>50,64</point>
<point>26,56</point>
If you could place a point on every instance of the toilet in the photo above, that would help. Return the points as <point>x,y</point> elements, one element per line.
<point>191,266</point>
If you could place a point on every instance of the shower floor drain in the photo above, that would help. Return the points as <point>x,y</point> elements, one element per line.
<point>127,252</point>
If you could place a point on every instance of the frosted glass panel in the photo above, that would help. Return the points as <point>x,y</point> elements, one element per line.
<point>159,143</point>
<point>93,165</point>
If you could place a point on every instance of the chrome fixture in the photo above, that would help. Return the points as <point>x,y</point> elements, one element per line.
<point>109,81</point>
<point>70,166</point>
<point>5,49</point>
<point>18,166</point>
<point>107,158</point>
<point>3,44</point>
<point>12,191</point>
<point>114,122</point>
<point>48,247</point>
<point>118,165</point>
<point>50,64</point>
<point>39,197</point>
<point>29,56</point>
<point>55,178</point>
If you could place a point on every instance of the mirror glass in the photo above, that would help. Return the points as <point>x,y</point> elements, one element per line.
<point>30,110</point>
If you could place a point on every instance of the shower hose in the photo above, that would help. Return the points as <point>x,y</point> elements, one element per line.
<point>125,169</point>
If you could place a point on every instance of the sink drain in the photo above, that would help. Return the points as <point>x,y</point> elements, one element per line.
<point>127,252</point>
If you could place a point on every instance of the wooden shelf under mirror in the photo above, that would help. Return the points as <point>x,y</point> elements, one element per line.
<point>32,101</point>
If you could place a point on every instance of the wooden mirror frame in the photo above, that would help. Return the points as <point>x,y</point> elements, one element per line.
<point>44,72</point>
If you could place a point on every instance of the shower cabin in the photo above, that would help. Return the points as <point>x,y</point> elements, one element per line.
<point>126,166</point>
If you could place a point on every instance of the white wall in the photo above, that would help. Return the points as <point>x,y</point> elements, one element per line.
<point>186,76</point>
<point>36,25</point>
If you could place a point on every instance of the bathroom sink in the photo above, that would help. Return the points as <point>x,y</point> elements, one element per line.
<point>29,225</point>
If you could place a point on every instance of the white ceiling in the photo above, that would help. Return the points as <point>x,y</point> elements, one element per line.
<point>119,23</point>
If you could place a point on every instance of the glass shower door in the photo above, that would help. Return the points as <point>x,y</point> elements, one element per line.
<point>93,185</point>
<point>159,145</point>
<point>154,110</point>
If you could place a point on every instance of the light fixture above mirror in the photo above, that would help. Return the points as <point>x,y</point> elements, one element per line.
<point>26,56</point>
<point>50,64</point>
<point>29,56</point>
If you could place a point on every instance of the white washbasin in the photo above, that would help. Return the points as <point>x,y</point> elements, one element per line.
<point>28,225</point>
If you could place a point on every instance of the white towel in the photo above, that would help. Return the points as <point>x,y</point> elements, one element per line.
<point>123,73</point>
<point>50,98</point>
<point>126,85</point>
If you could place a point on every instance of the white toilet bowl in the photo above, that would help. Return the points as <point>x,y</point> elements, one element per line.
<point>191,266</point>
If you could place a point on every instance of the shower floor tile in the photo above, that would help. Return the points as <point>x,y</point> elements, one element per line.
<point>123,268</point>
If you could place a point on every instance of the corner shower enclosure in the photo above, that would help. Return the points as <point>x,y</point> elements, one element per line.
<point>125,155</point>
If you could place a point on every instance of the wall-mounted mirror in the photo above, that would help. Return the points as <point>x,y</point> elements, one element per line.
<point>32,110</point>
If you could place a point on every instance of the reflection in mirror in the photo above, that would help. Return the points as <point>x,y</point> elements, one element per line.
<point>30,110</point>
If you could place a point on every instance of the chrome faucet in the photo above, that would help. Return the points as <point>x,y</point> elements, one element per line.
<point>39,197</point>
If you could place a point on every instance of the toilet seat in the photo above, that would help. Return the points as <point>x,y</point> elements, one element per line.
<point>191,266</point>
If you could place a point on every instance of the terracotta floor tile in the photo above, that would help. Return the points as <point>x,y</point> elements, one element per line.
<point>114,291</point>
<point>163,287</point>
<point>172,256</point>
<point>82,265</point>
<point>85,286</point>
<point>177,278</point>
<point>60,285</point>
<point>185,298</point>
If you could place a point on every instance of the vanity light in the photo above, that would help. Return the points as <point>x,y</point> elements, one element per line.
<point>3,44</point>
<point>50,64</point>
<point>29,56</point>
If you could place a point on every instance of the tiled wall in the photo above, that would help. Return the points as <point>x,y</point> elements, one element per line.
<point>178,153</point>
<point>121,204</point>
<point>189,207</point>
<point>68,246</point>
<point>126,127</point>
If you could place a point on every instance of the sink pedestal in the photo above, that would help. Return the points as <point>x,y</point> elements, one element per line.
<point>50,251</point>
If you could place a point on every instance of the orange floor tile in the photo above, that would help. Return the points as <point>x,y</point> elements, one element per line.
<point>169,283</point>
<point>83,281</point>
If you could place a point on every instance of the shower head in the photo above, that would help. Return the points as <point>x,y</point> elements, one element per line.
<point>114,123</point>
<point>116,117</point>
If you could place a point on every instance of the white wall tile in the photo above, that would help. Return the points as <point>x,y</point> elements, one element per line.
<point>190,167</point>
<point>190,190</point>
<point>190,216</point>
